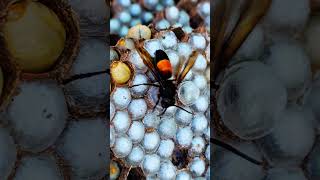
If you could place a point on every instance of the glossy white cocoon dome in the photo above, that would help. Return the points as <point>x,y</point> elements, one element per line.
<point>135,9</point>
<point>121,97</point>
<point>8,153</point>
<point>197,146</point>
<point>247,117</point>
<point>169,40</point>
<point>201,104</point>
<point>151,120</point>
<point>201,63</point>
<point>167,170</point>
<point>184,18</point>
<point>230,166</point>
<point>121,122</point>
<point>199,124</point>
<point>188,92</point>
<point>279,16</point>
<point>182,117</point>
<point>38,125</point>
<point>151,164</point>
<point>151,141</point>
<point>123,32</point>
<point>112,136</point>
<point>139,90</point>
<point>95,87</point>
<point>136,60</point>
<point>183,175</point>
<point>197,41</point>
<point>114,28</point>
<point>283,173</point>
<point>152,45</point>
<point>92,50</point>
<point>137,108</point>
<point>197,167</point>
<point>184,50</point>
<point>124,17</point>
<point>162,24</point>
<point>298,76</point>
<point>136,131</point>
<point>184,136</point>
<point>172,14</point>
<point>83,146</point>
<point>200,81</point>
<point>282,146</point>
<point>38,167</point>
<point>166,148</point>
<point>122,147</point>
<point>136,156</point>
<point>167,128</point>
<point>203,8</point>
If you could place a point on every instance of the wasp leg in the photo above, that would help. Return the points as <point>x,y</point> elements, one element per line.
<point>146,84</point>
<point>154,107</point>
<point>235,151</point>
<point>163,111</point>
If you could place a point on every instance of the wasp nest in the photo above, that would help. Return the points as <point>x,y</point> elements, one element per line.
<point>147,141</point>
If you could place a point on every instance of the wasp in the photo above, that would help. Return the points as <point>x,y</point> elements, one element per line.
<point>161,69</point>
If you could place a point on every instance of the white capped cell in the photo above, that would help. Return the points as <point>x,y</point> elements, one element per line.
<point>137,108</point>
<point>166,148</point>
<point>151,164</point>
<point>136,156</point>
<point>121,122</point>
<point>121,97</point>
<point>122,147</point>
<point>184,136</point>
<point>136,131</point>
<point>151,141</point>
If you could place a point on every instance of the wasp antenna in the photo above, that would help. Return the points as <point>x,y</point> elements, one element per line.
<point>145,84</point>
<point>85,75</point>
<point>183,109</point>
<point>235,151</point>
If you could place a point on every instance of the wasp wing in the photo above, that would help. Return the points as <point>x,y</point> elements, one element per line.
<point>147,60</point>
<point>250,16</point>
<point>221,17</point>
<point>188,65</point>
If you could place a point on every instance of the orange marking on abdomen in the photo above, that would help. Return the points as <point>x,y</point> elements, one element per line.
<point>164,66</point>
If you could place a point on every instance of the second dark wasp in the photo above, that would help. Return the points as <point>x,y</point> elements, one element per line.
<point>161,69</point>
